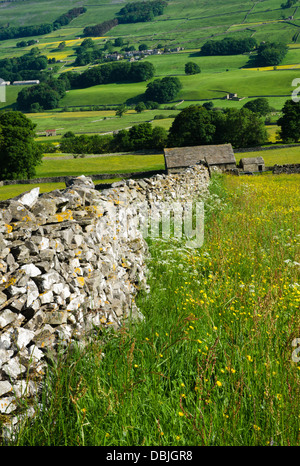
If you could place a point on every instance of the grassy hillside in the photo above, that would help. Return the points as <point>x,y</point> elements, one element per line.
<point>184,23</point>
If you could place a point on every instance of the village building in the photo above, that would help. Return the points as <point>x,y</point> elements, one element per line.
<point>216,157</point>
<point>50,132</point>
<point>252,164</point>
<point>233,96</point>
<point>26,83</point>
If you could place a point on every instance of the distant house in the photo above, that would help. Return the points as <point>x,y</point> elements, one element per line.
<point>232,96</point>
<point>217,157</point>
<point>50,132</point>
<point>252,164</point>
<point>26,83</point>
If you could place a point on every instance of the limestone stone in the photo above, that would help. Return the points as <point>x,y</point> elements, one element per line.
<point>31,270</point>
<point>29,198</point>
<point>5,355</point>
<point>24,336</point>
<point>5,387</point>
<point>6,317</point>
<point>32,292</point>
<point>13,368</point>
<point>7,405</point>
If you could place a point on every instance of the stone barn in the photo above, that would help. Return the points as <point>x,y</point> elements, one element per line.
<point>216,157</point>
<point>252,164</point>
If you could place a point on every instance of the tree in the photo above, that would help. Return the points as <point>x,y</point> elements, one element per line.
<point>241,128</point>
<point>42,94</point>
<point>19,153</point>
<point>208,105</point>
<point>196,125</point>
<point>143,47</point>
<point>140,136</point>
<point>140,107</point>
<point>159,138</point>
<point>270,53</point>
<point>290,122</point>
<point>192,68</point>
<point>163,90</point>
<point>119,42</point>
<point>259,105</point>
<point>192,127</point>
<point>121,110</point>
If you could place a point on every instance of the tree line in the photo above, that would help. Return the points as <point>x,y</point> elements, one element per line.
<point>28,66</point>
<point>141,11</point>
<point>138,137</point>
<point>100,29</point>
<point>39,30</point>
<point>228,46</point>
<point>267,53</point>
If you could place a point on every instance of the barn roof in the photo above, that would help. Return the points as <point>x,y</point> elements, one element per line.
<point>178,157</point>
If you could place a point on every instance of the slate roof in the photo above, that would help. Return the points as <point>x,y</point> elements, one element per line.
<point>180,157</point>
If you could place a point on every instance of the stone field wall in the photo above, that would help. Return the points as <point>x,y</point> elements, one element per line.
<point>286,169</point>
<point>72,261</point>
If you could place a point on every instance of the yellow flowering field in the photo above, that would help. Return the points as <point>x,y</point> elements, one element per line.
<point>216,359</point>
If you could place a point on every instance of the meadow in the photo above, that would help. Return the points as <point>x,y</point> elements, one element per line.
<point>213,363</point>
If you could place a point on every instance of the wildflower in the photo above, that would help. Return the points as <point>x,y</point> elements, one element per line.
<point>249,358</point>
<point>219,383</point>
<point>157,334</point>
<point>136,365</point>
<point>161,356</point>
<point>177,437</point>
<point>255,427</point>
<point>182,385</point>
<point>107,435</point>
<point>181,413</point>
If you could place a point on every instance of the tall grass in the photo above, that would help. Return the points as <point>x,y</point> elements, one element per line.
<point>212,363</point>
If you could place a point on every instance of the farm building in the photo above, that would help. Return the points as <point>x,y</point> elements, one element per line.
<point>216,157</point>
<point>252,164</point>
<point>26,83</point>
<point>50,132</point>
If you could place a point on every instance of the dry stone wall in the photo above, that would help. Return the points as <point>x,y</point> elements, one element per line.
<point>286,169</point>
<point>72,261</point>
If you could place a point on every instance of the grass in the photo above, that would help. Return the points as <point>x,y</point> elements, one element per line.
<point>92,121</point>
<point>275,156</point>
<point>212,362</point>
<point>91,166</point>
